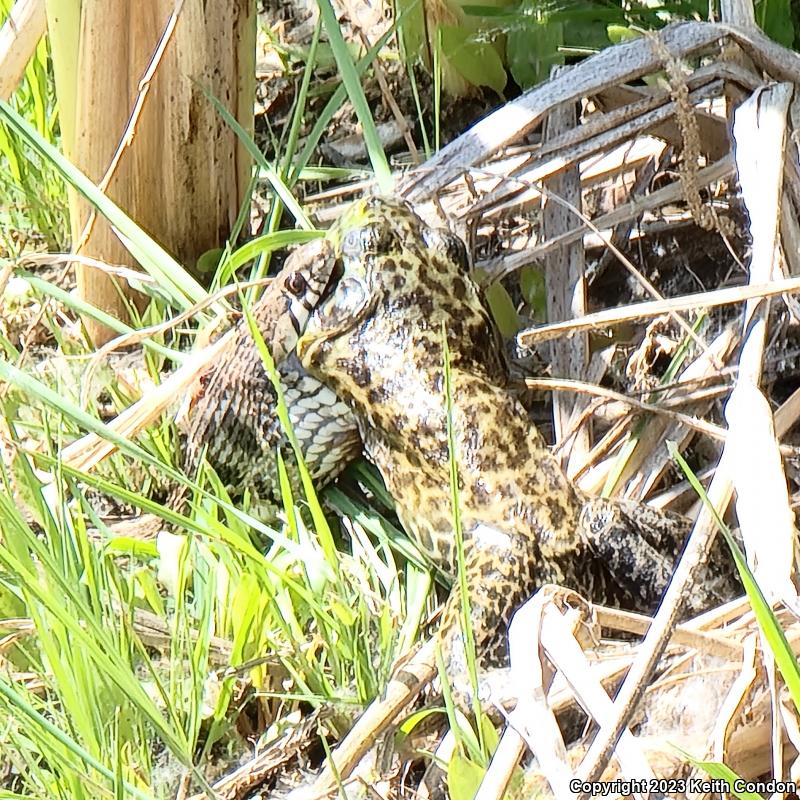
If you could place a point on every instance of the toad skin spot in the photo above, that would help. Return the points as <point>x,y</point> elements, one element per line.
<point>377,395</point>
<point>360,373</point>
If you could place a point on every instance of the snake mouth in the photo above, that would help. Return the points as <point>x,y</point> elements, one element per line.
<point>313,330</point>
<point>344,305</point>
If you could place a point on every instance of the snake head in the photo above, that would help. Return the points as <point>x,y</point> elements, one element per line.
<point>280,314</point>
<point>293,295</point>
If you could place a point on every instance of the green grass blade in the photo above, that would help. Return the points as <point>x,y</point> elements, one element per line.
<point>455,503</point>
<point>382,529</point>
<point>770,627</point>
<point>182,289</point>
<point>267,244</point>
<point>83,308</point>
<point>721,772</point>
<point>34,388</point>
<point>331,107</point>
<point>320,523</point>
<point>177,519</point>
<point>19,702</point>
<point>281,189</point>
<point>86,633</point>
<point>352,84</point>
<point>300,105</point>
<point>31,387</point>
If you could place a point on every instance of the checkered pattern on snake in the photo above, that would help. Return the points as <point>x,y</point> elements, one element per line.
<point>230,414</point>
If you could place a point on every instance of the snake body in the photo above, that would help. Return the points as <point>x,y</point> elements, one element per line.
<point>230,413</point>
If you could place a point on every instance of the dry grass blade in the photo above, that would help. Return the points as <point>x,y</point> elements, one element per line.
<point>87,452</point>
<point>695,553</point>
<point>409,680</point>
<point>736,698</point>
<point>504,762</point>
<point>610,67</point>
<point>532,674</point>
<point>636,311</point>
<point>729,715</point>
<point>566,283</point>
<point>703,641</point>
<point>568,656</point>
<point>787,413</point>
<point>651,466</point>
<point>762,499</point>
<point>617,65</point>
<point>499,267</point>
<point>598,135</point>
<point>19,36</point>
<point>647,464</point>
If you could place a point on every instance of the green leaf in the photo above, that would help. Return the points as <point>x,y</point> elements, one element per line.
<point>503,310</point>
<point>463,777</point>
<point>621,33</point>
<point>131,546</point>
<point>491,738</point>
<point>413,30</point>
<point>406,728</point>
<point>478,62</point>
<point>207,262</point>
<point>532,49</point>
<point>775,19</point>
<point>148,587</point>
<point>533,287</point>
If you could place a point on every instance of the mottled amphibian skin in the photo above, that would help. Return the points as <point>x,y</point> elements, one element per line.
<point>377,340</point>
<point>230,414</point>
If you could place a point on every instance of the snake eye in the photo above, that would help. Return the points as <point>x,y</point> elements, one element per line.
<point>296,284</point>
